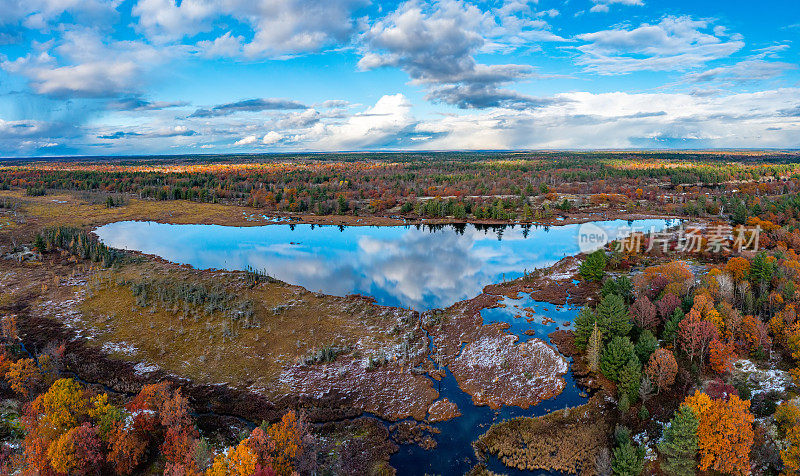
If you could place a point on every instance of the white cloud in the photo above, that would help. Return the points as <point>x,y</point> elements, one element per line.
<point>624,120</point>
<point>83,64</point>
<point>602,6</point>
<point>436,45</point>
<point>378,126</point>
<point>271,138</point>
<point>247,140</point>
<point>42,14</point>
<point>747,71</point>
<point>675,43</point>
<point>279,27</point>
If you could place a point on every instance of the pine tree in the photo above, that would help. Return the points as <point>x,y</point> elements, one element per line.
<point>646,345</point>
<point>679,445</point>
<point>630,377</point>
<point>594,348</point>
<point>584,324</point>
<point>628,460</point>
<point>594,266</point>
<point>672,327</point>
<point>612,316</point>
<point>615,355</point>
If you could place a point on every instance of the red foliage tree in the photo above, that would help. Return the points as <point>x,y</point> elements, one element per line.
<point>667,305</point>
<point>695,334</point>
<point>644,314</point>
<point>78,451</point>
<point>129,442</point>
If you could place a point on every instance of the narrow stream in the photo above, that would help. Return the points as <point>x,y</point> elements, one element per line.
<point>454,454</point>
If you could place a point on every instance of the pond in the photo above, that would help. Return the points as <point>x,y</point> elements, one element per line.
<point>416,267</point>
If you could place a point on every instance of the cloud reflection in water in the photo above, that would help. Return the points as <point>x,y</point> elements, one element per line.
<point>418,268</point>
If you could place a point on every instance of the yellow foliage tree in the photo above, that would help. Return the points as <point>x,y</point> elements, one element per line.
<point>286,439</point>
<point>62,406</point>
<point>237,461</point>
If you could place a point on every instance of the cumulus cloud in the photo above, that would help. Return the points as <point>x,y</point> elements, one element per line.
<point>271,138</point>
<point>43,14</point>
<point>381,125</point>
<point>248,105</point>
<point>279,27</point>
<point>246,140</point>
<point>675,43</point>
<point>436,45</point>
<point>85,64</point>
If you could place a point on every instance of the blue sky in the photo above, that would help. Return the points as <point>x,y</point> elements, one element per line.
<point>96,77</point>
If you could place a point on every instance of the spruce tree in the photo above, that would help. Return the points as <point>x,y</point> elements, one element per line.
<point>671,328</point>
<point>593,267</point>
<point>628,460</point>
<point>679,445</point>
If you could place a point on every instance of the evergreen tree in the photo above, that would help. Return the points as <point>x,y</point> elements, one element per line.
<point>612,316</point>
<point>615,355</point>
<point>625,288</point>
<point>630,377</point>
<point>594,266</point>
<point>671,327</point>
<point>39,244</point>
<point>621,286</point>
<point>679,445</point>
<point>628,460</point>
<point>646,345</point>
<point>584,324</point>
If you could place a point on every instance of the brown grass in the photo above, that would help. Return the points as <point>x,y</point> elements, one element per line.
<point>564,440</point>
<point>290,322</point>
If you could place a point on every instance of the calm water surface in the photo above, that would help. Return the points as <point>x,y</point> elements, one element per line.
<point>414,267</point>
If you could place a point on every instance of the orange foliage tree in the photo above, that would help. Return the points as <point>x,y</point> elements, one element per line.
<point>725,434</point>
<point>275,449</point>
<point>738,268</point>
<point>788,418</point>
<point>24,377</point>
<point>286,438</point>
<point>662,368</point>
<point>720,355</point>
<point>78,451</point>
<point>674,277</point>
